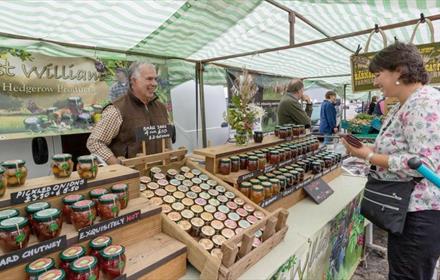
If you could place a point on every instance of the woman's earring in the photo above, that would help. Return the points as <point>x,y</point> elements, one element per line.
<point>397,83</point>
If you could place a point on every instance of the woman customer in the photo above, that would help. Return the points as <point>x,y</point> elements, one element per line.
<point>411,129</point>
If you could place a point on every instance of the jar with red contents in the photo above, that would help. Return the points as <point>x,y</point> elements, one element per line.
<point>252,163</point>
<point>112,261</point>
<point>95,194</point>
<point>243,161</point>
<point>225,166</point>
<point>283,134</point>
<point>99,243</point>
<point>68,201</point>
<point>48,223</point>
<point>274,157</point>
<point>235,164</point>
<point>53,274</point>
<point>83,213</point>
<point>277,130</point>
<point>282,155</point>
<point>122,191</point>
<point>293,151</point>
<point>301,174</point>
<point>109,206</point>
<point>70,255</point>
<point>33,208</point>
<point>84,268</point>
<point>14,233</point>
<point>38,267</point>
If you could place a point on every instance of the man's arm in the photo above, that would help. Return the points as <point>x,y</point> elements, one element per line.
<point>103,133</point>
<point>298,115</point>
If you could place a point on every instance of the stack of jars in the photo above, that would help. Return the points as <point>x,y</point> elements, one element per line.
<point>289,130</point>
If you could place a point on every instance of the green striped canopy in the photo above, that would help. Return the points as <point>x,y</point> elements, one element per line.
<point>201,29</point>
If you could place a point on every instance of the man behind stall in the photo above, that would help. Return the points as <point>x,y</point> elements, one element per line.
<point>115,135</point>
<point>290,110</point>
<point>327,124</point>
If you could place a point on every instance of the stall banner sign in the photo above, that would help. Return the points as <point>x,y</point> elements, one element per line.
<point>362,79</point>
<point>45,96</point>
<point>153,132</point>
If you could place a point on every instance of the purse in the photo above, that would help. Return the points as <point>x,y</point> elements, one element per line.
<point>385,203</point>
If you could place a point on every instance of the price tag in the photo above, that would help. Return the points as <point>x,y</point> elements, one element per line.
<point>269,201</point>
<point>153,132</point>
<point>318,190</point>
<point>47,191</point>
<point>248,176</point>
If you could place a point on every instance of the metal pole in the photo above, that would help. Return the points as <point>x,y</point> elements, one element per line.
<point>291,28</point>
<point>323,40</point>
<point>197,102</point>
<point>345,100</point>
<point>202,105</point>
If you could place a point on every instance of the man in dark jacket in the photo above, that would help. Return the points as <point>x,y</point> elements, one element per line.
<point>290,110</point>
<point>115,135</point>
<point>327,125</point>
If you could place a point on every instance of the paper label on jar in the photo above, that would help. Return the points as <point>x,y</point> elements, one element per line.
<point>44,192</point>
<point>31,253</point>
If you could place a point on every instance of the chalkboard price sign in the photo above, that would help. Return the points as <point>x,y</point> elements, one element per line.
<point>153,132</point>
<point>318,190</point>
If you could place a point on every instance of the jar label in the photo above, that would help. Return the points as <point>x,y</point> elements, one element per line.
<point>84,262</point>
<point>51,275</point>
<point>47,213</point>
<point>113,250</point>
<point>101,240</point>
<point>40,264</point>
<point>73,251</point>
<point>12,221</point>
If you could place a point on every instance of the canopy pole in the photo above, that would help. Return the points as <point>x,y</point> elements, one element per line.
<point>323,40</point>
<point>291,28</point>
<point>202,103</point>
<point>345,100</point>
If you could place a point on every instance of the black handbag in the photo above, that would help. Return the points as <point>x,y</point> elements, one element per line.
<point>385,203</point>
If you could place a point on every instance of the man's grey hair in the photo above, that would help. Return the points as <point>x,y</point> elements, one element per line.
<point>133,70</point>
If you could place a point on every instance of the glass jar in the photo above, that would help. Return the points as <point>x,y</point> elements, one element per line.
<point>112,261</point>
<point>277,130</point>
<point>283,133</point>
<point>283,182</point>
<point>252,163</point>
<point>196,226</point>
<point>67,202</point>
<point>8,213</point>
<point>257,195</point>
<point>3,182</point>
<point>83,213</point>
<point>53,274</point>
<point>267,189</point>
<point>327,161</point>
<point>261,161</point>
<point>48,223</point>
<point>33,208</point>
<point>301,173</point>
<point>96,193</point>
<point>87,167</point>
<point>276,188</point>
<point>62,165</point>
<point>296,130</point>
<point>235,164</point>
<point>109,206</point>
<point>289,179</point>
<point>302,165</point>
<point>295,177</point>
<point>302,129</point>
<point>225,166</point>
<point>316,167</point>
<point>16,172</point>
<point>99,243</point>
<point>245,188</point>
<point>69,255</point>
<point>84,268</point>
<point>274,157</point>
<point>293,151</point>
<point>121,190</point>
<point>243,161</point>
<point>38,267</point>
<point>14,233</point>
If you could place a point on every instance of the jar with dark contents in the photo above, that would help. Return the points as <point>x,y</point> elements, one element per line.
<point>243,161</point>
<point>282,154</point>
<point>235,164</point>
<point>3,182</point>
<point>283,134</point>
<point>69,255</point>
<point>87,167</point>
<point>245,188</point>
<point>16,172</point>
<point>33,208</point>
<point>196,226</point>
<point>277,130</point>
<point>261,161</point>
<point>14,233</point>
<point>296,130</point>
<point>283,182</point>
<point>252,163</point>
<point>109,206</point>
<point>327,161</point>
<point>38,267</point>
<point>295,176</point>
<point>121,190</point>
<point>316,167</point>
<point>99,243</point>
<point>62,165</point>
<point>267,189</point>
<point>83,213</point>
<point>274,157</point>
<point>257,194</point>
<point>112,261</point>
<point>67,202</point>
<point>289,179</point>
<point>302,129</point>
<point>225,166</point>
<point>301,174</point>
<point>48,223</point>
<point>84,268</point>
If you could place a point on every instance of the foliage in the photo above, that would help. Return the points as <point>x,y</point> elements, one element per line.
<point>107,68</point>
<point>22,54</point>
<point>10,103</point>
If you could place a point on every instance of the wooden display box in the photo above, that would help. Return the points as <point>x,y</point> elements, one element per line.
<point>237,254</point>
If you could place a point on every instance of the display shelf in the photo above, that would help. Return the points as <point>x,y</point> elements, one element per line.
<point>107,176</point>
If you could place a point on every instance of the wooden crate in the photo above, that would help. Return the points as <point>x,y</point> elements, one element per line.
<point>237,258</point>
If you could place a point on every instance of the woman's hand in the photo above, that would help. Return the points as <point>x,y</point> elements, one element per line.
<point>361,152</point>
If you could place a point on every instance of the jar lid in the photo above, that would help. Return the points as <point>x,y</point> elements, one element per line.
<point>204,177</point>
<point>262,178</point>
<point>170,188</point>
<point>13,163</point>
<point>108,198</point>
<point>234,216</point>
<point>243,156</point>
<point>257,188</point>
<point>245,185</point>
<point>205,195</point>
<point>118,188</point>
<point>251,219</point>
<point>2,170</point>
<point>39,266</point>
<point>172,172</point>
<point>220,216</point>
<point>96,193</point>
<point>218,239</point>
<point>230,195</point>
<point>210,209</point>
<point>185,225</point>
<point>249,208</point>
<point>83,205</point>
<point>206,243</point>
<point>166,208</point>
<point>231,224</point>
<point>177,206</point>
<point>274,181</point>
<point>197,209</point>
<point>196,181</point>
<point>112,251</point>
<point>212,183</point>
<point>187,214</point>
<point>208,231</point>
<point>213,192</point>
<point>72,253</point>
<point>8,213</point>
<point>185,169</point>
<point>252,158</point>
<point>244,224</point>
<point>222,198</point>
<point>228,233</point>
<point>281,177</point>
<point>87,159</point>
<point>37,206</point>
<point>62,157</point>
<point>235,158</point>
<point>169,199</point>
<point>197,222</point>
<point>72,198</point>
<point>100,242</point>
<point>260,215</point>
<point>84,264</point>
<point>223,209</point>
<point>175,182</point>
<point>179,177</point>
<point>218,225</point>
<point>47,215</point>
<point>53,274</point>
<point>183,188</point>
<point>191,195</point>
<point>275,152</point>
<point>207,216</point>
<point>225,160</point>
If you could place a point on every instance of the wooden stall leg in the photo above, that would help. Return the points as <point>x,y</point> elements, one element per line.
<point>269,229</point>
<point>246,244</point>
<point>282,219</point>
<point>229,254</point>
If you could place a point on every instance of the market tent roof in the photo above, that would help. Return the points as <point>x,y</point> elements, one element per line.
<point>203,29</point>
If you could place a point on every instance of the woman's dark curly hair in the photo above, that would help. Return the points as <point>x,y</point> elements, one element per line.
<point>405,58</point>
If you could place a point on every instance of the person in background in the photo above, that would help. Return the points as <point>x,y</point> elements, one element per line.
<point>290,110</point>
<point>115,135</point>
<point>379,109</point>
<point>121,86</point>
<point>327,124</point>
<point>411,129</point>
<point>372,105</point>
